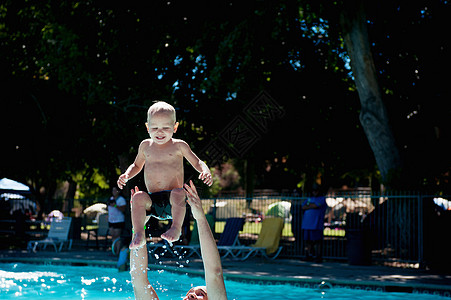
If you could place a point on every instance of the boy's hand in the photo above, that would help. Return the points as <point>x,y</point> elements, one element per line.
<point>205,176</point>
<point>122,181</point>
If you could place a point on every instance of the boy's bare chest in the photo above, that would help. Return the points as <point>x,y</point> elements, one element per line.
<point>167,156</point>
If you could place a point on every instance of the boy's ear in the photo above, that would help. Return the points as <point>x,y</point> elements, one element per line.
<point>176,126</point>
<point>147,126</point>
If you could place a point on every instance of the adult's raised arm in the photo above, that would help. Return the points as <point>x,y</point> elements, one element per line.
<point>138,271</point>
<point>214,278</point>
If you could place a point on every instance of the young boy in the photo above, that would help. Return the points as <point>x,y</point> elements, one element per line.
<point>162,159</point>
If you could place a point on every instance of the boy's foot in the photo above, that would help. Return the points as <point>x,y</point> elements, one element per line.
<point>172,235</point>
<point>138,240</point>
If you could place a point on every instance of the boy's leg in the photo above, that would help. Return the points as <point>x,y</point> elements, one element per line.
<point>178,208</point>
<point>139,204</point>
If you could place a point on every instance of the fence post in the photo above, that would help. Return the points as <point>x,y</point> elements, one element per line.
<point>420,230</point>
<point>214,215</point>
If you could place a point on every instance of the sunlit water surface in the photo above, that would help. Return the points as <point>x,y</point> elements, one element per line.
<point>27,281</point>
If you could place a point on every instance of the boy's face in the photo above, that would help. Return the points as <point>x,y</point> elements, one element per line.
<point>161,126</point>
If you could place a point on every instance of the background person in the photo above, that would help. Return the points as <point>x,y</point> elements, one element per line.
<point>313,224</point>
<point>116,217</point>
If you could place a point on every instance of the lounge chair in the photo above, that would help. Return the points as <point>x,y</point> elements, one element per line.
<point>58,236</point>
<point>267,244</point>
<point>228,238</point>
<point>193,248</point>
<point>102,230</point>
<point>194,241</point>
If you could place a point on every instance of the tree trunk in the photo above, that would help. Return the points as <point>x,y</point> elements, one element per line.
<point>70,195</point>
<point>373,115</point>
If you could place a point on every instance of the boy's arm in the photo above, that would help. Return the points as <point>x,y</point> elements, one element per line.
<point>199,165</point>
<point>134,168</point>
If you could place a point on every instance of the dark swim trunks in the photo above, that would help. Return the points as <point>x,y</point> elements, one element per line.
<point>161,205</point>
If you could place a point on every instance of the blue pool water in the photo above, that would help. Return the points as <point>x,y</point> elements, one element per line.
<point>26,281</point>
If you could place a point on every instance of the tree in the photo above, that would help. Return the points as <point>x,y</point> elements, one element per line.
<point>82,75</point>
<point>373,115</point>
<point>398,106</point>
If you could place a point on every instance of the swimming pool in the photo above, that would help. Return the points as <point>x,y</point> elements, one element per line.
<point>26,281</point>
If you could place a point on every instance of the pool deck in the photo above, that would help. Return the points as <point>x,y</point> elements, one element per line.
<point>263,271</point>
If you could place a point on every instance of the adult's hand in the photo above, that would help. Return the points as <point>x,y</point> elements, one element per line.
<point>194,201</point>
<point>134,191</point>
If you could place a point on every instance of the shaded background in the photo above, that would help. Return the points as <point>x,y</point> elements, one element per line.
<point>77,79</point>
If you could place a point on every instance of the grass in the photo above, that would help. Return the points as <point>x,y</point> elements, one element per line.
<point>254,228</point>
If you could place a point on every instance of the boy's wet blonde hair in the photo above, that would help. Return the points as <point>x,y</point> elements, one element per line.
<point>161,106</point>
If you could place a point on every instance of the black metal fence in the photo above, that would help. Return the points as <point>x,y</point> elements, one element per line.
<point>405,228</point>
<point>387,228</point>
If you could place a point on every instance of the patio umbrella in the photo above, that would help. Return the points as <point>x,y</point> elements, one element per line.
<point>9,184</point>
<point>95,209</point>
<point>16,196</point>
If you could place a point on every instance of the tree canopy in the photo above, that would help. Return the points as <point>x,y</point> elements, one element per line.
<point>77,79</point>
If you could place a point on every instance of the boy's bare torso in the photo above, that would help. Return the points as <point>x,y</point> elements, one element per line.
<point>163,168</point>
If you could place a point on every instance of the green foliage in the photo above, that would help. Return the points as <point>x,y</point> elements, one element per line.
<point>91,187</point>
<point>79,77</point>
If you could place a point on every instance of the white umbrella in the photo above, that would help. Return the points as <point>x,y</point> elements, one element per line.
<point>9,184</point>
<point>19,200</point>
<point>95,209</point>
